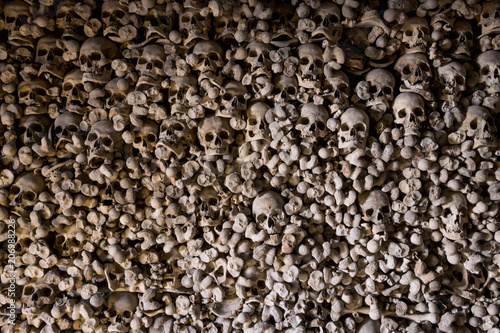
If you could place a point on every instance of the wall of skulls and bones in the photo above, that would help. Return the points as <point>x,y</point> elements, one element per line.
<point>251,166</point>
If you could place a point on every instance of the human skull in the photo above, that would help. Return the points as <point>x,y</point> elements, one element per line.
<point>462,39</point>
<point>258,56</point>
<point>416,34</point>
<point>409,112</point>
<point>225,26</point>
<point>146,136</point>
<point>328,23</point>
<point>234,100</point>
<point>215,135</point>
<point>96,54</point>
<point>33,128</point>
<point>477,126</point>
<point>179,86</point>
<point>353,132</point>
<point>102,142</point>
<point>175,137</point>
<point>115,17</point>
<point>489,73</point>
<point>210,57</point>
<point>159,22</point>
<point>336,90</point>
<point>489,20</point>
<point>25,192</point>
<point>282,25</point>
<point>285,89</point>
<point>38,294</point>
<point>194,26</point>
<point>210,207</point>
<point>256,128</point>
<point>73,91</point>
<point>17,14</point>
<point>381,87</point>
<point>50,56</point>
<point>454,216</point>
<point>35,95</point>
<point>65,127</point>
<point>310,72</point>
<point>375,206</point>
<point>268,211</point>
<point>115,96</point>
<point>415,71</point>
<point>67,19</point>
<point>312,121</point>
<point>120,309</point>
<point>150,64</point>
<point>452,77</point>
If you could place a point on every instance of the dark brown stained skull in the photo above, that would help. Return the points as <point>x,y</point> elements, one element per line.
<point>415,71</point>
<point>74,93</point>
<point>146,137</point>
<point>194,26</point>
<point>336,91</point>
<point>96,55</point>
<point>17,14</point>
<point>25,192</point>
<point>33,128</point>
<point>118,23</point>
<point>50,56</point>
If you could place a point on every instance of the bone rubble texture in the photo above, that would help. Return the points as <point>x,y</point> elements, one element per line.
<point>250,166</point>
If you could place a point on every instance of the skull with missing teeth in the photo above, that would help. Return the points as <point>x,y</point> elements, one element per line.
<point>454,216</point>
<point>96,55</point>
<point>477,126</point>
<point>353,132</point>
<point>409,112</point>
<point>216,135</point>
<point>73,91</point>
<point>102,143</point>
<point>310,73</point>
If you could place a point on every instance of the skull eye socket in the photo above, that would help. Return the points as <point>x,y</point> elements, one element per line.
<point>419,112</point>
<point>318,63</point>
<point>261,218</point>
<point>37,128</point>
<point>252,54</point>
<point>227,97</point>
<point>92,136</point>
<point>127,314</point>
<point>46,292</point>
<point>224,135</point>
<point>485,70</point>
<point>406,70</point>
<point>58,130</point>
<point>304,61</point>
<point>107,142</point>
<point>360,127</point>
<point>304,121</point>
<point>473,124</point>
<point>424,66</point>
<point>142,61</point>
<point>388,90</point>
<point>58,52</point>
<point>447,212</point>
<point>485,15</point>
<point>209,137</point>
<point>112,313</point>
<point>157,63</point>
<point>178,127</point>
<point>28,291</point>
<point>23,94</point>
<point>42,53</point>
<point>212,202</point>
<point>344,127</point>
<point>468,35</point>
<point>291,90</point>
<point>252,121</point>
<point>213,56</point>
<point>151,138</point>
<point>462,211</point>
<point>95,56</point>
<point>29,196</point>
<point>14,190</point>
<point>369,212</point>
<point>321,125</point>
<point>317,19</point>
<point>67,86</point>
<point>408,32</point>
<point>373,89</point>
<point>385,210</point>
<point>241,99</point>
<point>402,113</point>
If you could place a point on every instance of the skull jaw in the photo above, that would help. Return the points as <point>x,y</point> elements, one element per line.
<point>102,76</point>
<point>18,40</point>
<point>462,52</point>
<point>165,148</point>
<point>57,71</point>
<point>322,33</point>
<point>35,109</point>
<point>113,34</point>
<point>492,86</point>
<point>309,80</point>
<point>451,228</point>
<point>98,158</point>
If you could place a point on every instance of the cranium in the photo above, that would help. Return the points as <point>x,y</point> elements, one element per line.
<point>35,95</point>
<point>67,243</point>
<point>258,56</point>
<point>452,77</point>
<point>65,127</point>
<point>312,121</point>
<point>225,26</point>
<point>39,294</point>
<point>476,126</point>
<point>268,211</point>
<point>116,17</point>
<point>177,92</point>
<point>194,26</point>
<point>72,90</point>
<point>150,64</point>
<point>215,135</point>
<point>409,112</point>
<point>50,56</point>
<point>33,128</point>
<point>159,21</point>
<point>416,34</point>
<point>462,38</point>
<point>415,71</point>
<point>377,90</point>
<point>210,207</point>
<point>454,216</point>
<point>353,132</point>
<point>102,142</point>
<point>120,310</point>
<point>489,73</point>
<point>96,54</point>
<point>282,25</point>
<point>115,96</point>
<point>25,192</point>
<point>234,100</point>
<point>17,14</point>
<point>256,128</point>
<point>375,206</point>
<point>285,89</point>
<point>67,19</point>
<point>489,20</point>
<point>146,136</point>
<point>175,137</point>
<point>310,71</point>
<point>336,90</point>
<point>328,23</point>
<point>210,57</point>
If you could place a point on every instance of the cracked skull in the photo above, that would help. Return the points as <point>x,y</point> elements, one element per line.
<point>452,77</point>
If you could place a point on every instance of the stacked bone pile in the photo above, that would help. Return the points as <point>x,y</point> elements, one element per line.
<point>251,166</point>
